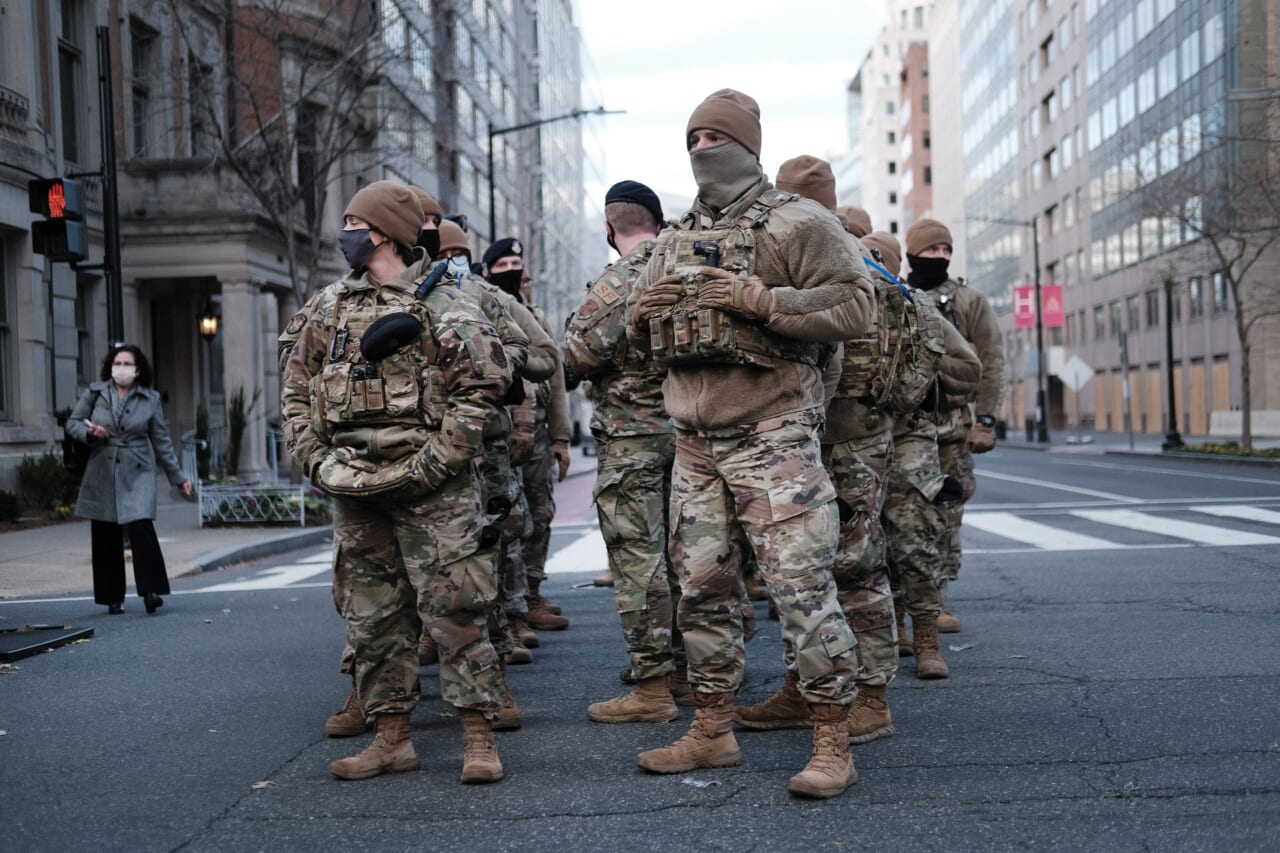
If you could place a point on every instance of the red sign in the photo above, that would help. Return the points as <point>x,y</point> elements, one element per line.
<point>1024,307</point>
<point>1053,309</point>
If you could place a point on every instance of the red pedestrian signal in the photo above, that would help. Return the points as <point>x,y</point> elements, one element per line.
<point>62,236</point>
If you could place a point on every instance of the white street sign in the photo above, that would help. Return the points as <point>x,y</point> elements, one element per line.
<point>1075,374</point>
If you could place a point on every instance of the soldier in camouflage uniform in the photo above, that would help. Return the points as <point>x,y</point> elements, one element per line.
<point>915,505</point>
<point>742,300</point>
<point>857,444</point>
<point>636,446</point>
<point>969,426</point>
<point>504,268</point>
<point>386,394</point>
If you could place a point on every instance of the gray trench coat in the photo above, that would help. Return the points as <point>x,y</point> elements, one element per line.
<point>120,480</point>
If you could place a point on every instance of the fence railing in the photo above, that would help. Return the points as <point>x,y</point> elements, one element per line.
<point>255,503</point>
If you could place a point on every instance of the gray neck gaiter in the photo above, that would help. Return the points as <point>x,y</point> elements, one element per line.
<point>724,173</point>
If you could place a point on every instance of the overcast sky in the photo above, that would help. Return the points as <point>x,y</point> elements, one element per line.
<point>657,59</point>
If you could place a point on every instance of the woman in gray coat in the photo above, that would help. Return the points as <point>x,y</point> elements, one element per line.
<point>120,419</point>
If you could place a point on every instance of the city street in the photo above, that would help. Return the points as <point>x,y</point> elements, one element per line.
<point>1115,687</point>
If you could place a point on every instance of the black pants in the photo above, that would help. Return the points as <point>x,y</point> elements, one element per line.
<point>108,560</point>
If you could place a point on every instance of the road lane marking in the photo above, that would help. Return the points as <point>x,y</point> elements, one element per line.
<point>1043,536</point>
<point>273,578</point>
<point>1045,484</point>
<point>1204,534</point>
<point>587,553</point>
<point>1242,512</point>
<point>1113,466</point>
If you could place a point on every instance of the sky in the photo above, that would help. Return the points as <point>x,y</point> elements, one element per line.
<point>658,59</point>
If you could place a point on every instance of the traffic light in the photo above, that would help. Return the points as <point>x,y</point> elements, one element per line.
<point>61,236</point>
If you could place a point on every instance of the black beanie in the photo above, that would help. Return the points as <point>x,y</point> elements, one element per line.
<point>499,249</point>
<point>636,193</point>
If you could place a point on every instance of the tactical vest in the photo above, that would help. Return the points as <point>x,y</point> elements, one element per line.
<point>687,334</point>
<point>894,366</point>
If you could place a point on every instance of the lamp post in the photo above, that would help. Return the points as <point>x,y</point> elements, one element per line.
<point>1042,399</point>
<point>1172,439</point>
<point>500,131</point>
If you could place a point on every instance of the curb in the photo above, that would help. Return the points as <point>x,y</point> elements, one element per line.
<point>1222,459</point>
<point>211,560</point>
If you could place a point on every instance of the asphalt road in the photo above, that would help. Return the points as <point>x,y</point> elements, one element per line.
<point>1115,687</point>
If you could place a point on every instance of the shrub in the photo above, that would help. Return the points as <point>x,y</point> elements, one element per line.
<point>10,506</point>
<point>45,481</point>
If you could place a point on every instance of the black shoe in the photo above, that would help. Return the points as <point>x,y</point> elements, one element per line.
<point>153,602</point>
<point>115,609</point>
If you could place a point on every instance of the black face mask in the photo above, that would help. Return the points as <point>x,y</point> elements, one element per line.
<point>429,241</point>
<point>508,281</point>
<point>608,238</point>
<point>927,273</point>
<point>356,246</point>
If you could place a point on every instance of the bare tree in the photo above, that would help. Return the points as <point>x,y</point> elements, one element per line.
<point>1225,199</point>
<point>298,95</point>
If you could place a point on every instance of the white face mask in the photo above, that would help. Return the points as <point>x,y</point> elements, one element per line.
<point>459,266</point>
<point>124,374</point>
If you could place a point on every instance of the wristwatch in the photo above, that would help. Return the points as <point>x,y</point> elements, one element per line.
<point>986,420</point>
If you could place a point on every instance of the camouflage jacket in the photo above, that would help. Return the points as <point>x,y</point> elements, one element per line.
<point>626,386</point>
<point>429,401</point>
<point>552,400</point>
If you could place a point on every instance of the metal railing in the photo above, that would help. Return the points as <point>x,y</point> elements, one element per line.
<point>254,503</point>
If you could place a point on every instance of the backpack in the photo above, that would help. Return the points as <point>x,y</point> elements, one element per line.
<point>894,367</point>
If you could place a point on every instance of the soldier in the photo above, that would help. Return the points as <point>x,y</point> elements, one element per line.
<point>741,301</point>
<point>969,426</point>
<point>500,476</point>
<point>504,265</point>
<point>856,220</point>
<point>857,444</point>
<point>386,394</point>
<point>636,448</point>
<point>914,508</point>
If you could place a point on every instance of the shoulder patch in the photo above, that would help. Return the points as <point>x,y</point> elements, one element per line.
<point>606,292</point>
<point>295,325</point>
<point>587,308</point>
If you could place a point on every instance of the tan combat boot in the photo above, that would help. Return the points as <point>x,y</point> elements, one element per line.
<point>650,702</point>
<point>900,618</point>
<point>678,684</point>
<point>349,721</point>
<point>509,716</point>
<point>830,769</point>
<point>480,762</point>
<point>785,709</point>
<point>929,662</point>
<point>870,718</point>
<point>518,655</point>
<point>390,752</point>
<point>708,743</point>
<point>548,612</point>
<point>948,623</point>
<point>525,635</point>
<point>427,651</point>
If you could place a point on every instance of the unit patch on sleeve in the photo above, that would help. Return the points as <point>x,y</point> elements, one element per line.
<point>295,325</point>
<point>606,293</point>
<point>588,308</point>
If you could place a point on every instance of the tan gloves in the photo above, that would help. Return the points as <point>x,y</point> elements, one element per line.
<point>981,438</point>
<point>659,296</point>
<point>746,296</point>
<point>560,456</point>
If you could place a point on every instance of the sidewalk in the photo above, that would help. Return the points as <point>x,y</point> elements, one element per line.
<point>1143,444</point>
<point>54,559</point>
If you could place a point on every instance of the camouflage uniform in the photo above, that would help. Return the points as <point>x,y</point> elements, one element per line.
<point>551,425</point>
<point>913,523</point>
<point>971,314</point>
<point>396,450</point>
<point>636,447</point>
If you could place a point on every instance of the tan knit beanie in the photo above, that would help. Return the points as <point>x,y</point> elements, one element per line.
<point>732,113</point>
<point>453,237</point>
<point>857,220</point>
<point>430,207</point>
<point>925,233</point>
<point>887,245</point>
<point>391,208</point>
<point>810,177</point>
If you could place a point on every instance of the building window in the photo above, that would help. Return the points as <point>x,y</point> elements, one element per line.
<point>203,115</point>
<point>893,226</point>
<point>1220,296</point>
<point>1135,318</point>
<point>70,63</point>
<point>1099,322</point>
<point>1153,308</point>
<point>1177,304</point>
<point>1195,297</point>
<point>888,108</point>
<point>893,138</point>
<point>928,174</point>
<point>1116,322</point>
<point>893,167</point>
<point>924,104</point>
<point>86,366</point>
<point>893,198</point>
<point>142,52</point>
<point>928,140</point>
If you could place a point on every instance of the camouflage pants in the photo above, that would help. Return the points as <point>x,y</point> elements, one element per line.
<point>633,484</point>
<point>538,491</point>
<point>399,566</point>
<point>769,485</point>
<point>497,479</point>
<point>913,523</point>
<point>957,462</point>
<point>859,470</point>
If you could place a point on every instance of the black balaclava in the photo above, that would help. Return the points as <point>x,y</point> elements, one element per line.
<point>927,273</point>
<point>429,241</point>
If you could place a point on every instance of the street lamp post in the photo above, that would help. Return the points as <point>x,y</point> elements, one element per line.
<point>499,131</point>
<point>1172,439</point>
<point>1042,399</point>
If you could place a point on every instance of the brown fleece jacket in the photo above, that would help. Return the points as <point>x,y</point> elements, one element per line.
<point>960,371</point>
<point>821,292</point>
<point>971,314</point>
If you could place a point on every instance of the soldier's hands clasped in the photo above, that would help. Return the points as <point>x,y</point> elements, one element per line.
<point>659,296</point>
<point>981,438</point>
<point>746,296</point>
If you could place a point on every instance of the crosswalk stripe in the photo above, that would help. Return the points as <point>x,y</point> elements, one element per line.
<point>273,578</point>
<point>587,553</point>
<point>1205,534</point>
<point>1044,536</point>
<point>1242,512</point>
